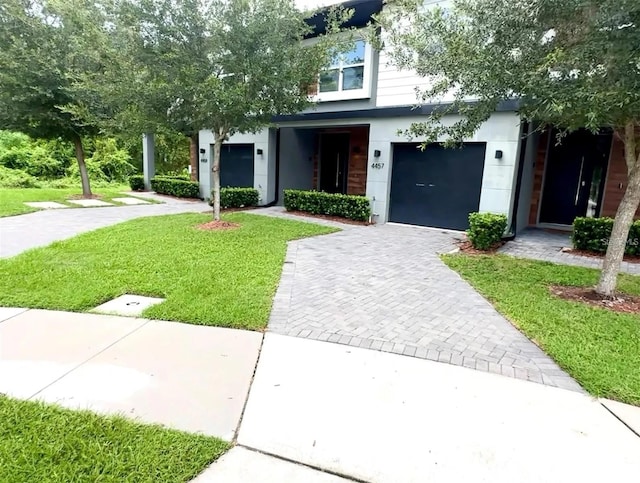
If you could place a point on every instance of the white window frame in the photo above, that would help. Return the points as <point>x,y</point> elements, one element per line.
<point>351,94</point>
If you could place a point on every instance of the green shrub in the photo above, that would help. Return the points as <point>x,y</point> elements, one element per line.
<point>136,182</point>
<point>592,234</point>
<point>351,207</point>
<point>486,229</point>
<point>175,187</point>
<point>237,197</point>
<point>16,178</point>
<point>115,163</point>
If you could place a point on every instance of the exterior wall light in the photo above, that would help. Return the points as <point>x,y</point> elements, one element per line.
<point>259,152</point>
<point>498,154</point>
<point>376,153</point>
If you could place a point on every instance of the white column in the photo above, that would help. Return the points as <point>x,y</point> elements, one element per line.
<point>148,158</point>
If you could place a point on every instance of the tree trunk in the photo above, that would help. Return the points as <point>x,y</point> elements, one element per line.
<point>624,217</point>
<point>193,156</point>
<point>216,175</point>
<point>82,167</point>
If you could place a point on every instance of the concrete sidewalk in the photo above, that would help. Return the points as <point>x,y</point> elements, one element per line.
<point>381,417</point>
<point>188,377</point>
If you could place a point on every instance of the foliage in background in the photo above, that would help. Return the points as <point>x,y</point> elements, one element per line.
<point>568,63</point>
<point>43,51</point>
<point>136,182</point>
<point>352,207</point>
<point>25,162</point>
<point>486,230</point>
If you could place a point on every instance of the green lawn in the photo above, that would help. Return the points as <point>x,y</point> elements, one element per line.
<point>45,443</point>
<point>224,278</point>
<point>12,199</point>
<point>599,348</point>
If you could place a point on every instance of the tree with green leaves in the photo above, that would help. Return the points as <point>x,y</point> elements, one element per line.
<point>225,65</point>
<point>41,56</point>
<point>570,64</point>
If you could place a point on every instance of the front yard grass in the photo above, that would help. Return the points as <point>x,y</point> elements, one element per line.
<point>12,200</point>
<point>223,278</point>
<point>599,348</point>
<point>46,443</point>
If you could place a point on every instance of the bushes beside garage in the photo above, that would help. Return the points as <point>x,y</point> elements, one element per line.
<point>351,207</point>
<point>592,234</point>
<point>237,197</point>
<point>173,186</point>
<point>486,230</point>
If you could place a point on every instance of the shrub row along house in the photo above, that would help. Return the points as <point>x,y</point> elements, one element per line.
<point>349,142</point>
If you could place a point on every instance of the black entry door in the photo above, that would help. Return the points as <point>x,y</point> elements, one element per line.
<point>575,177</point>
<point>334,160</point>
<point>436,187</point>
<point>236,165</point>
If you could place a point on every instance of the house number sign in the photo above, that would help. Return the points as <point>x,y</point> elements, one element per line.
<point>377,165</point>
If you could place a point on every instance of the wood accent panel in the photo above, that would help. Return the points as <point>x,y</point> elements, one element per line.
<point>616,176</point>
<point>538,175</point>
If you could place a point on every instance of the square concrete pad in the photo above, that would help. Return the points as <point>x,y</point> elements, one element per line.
<point>629,415</point>
<point>241,465</point>
<point>127,305</point>
<point>39,346</point>
<point>8,312</point>
<point>188,377</point>
<point>131,201</point>
<point>89,203</point>
<point>45,205</point>
<point>382,417</point>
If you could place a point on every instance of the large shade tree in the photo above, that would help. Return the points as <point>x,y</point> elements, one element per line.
<point>570,63</point>
<point>225,65</point>
<point>41,56</point>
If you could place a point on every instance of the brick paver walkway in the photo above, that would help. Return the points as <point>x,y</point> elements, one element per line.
<point>547,246</point>
<point>384,288</point>
<point>22,232</point>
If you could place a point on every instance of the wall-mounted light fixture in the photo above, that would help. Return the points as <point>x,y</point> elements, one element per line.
<point>498,154</point>
<point>202,150</point>
<point>259,152</point>
<point>376,153</point>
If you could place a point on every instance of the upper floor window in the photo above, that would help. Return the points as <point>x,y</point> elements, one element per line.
<point>348,77</point>
<point>346,72</point>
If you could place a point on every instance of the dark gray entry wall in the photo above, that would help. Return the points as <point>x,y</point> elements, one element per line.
<point>436,187</point>
<point>236,165</point>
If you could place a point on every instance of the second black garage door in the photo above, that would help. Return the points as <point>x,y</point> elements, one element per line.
<point>236,165</point>
<point>436,187</point>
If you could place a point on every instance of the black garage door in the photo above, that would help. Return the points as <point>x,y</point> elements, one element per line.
<point>436,187</point>
<point>236,165</point>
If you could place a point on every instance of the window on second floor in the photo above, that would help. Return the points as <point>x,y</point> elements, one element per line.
<point>347,71</point>
<point>348,77</point>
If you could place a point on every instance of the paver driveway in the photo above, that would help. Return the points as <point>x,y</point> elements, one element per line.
<point>384,288</point>
<point>22,232</point>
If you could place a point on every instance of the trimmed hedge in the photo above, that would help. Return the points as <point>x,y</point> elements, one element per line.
<point>486,229</point>
<point>136,182</point>
<point>237,197</point>
<point>175,187</point>
<point>351,207</point>
<point>592,234</point>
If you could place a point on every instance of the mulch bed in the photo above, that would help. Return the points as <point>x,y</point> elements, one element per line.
<point>586,253</point>
<point>466,247</point>
<point>218,225</point>
<point>627,304</point>
<point>231,210</point>
<point>330,218</point>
